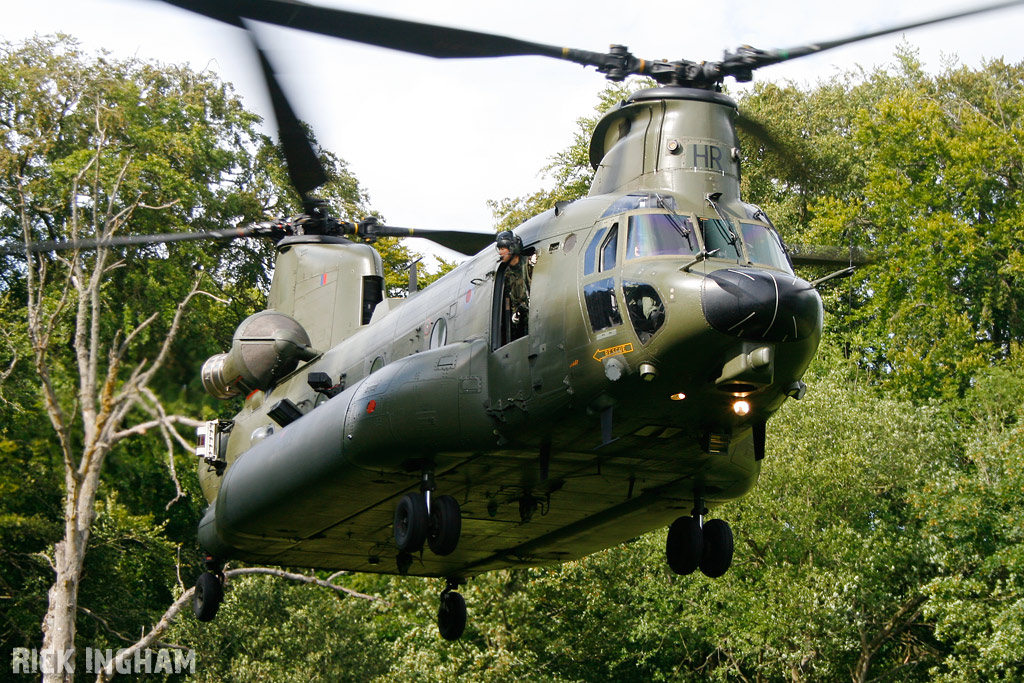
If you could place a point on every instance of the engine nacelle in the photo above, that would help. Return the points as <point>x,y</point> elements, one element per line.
<point>266,346</point>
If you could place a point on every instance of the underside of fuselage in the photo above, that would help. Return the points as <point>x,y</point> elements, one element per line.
<point>520,507</point>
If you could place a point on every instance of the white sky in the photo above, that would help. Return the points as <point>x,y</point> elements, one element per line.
<point>432,140</point>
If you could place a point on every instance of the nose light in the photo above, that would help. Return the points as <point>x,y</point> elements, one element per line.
<point>648,372</point>
<point>741,407</point>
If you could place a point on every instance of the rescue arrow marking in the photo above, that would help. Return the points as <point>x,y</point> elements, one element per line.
<point>619,350</point>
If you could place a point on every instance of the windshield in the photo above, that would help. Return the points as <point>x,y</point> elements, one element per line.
<point>719,235</point>
<point>763,246</point>
<point>660,234</point>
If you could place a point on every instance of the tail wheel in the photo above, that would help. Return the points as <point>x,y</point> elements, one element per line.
<point>684,545</point>
<point>718,548</point>
<point>445,525</point>
<point>207,597</point>
<point>411,523</point>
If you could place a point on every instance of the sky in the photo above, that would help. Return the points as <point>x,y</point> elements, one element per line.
<point>432,140</point>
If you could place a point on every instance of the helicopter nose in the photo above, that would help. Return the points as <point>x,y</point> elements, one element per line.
<point>761,305</point>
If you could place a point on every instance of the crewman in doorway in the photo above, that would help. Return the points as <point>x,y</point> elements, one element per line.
<point>517,280</point>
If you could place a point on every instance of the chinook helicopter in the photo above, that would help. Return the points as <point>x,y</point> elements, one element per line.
<point>611,374</point>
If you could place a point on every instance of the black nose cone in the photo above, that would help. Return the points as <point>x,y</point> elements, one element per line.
<point>761,305</point>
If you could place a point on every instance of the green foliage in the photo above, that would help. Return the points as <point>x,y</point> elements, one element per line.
<point>30,510</point>
<point>925,171</point>
<point>135,551</point>
<point>84,142</point>
<point>971,513</point>
<point>266,631</point>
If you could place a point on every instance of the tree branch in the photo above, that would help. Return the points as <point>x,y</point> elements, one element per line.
<point>144,427</point>
<point>104,623</point>
<point>107,672</point>
<point>39,335</point>
<point>9,370</point>
<point>169,616</point>
<point>303,578</point>
<point>904,616</point>
<point>166,430</point>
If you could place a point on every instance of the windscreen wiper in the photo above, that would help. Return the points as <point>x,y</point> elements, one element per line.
<point>731,237</point>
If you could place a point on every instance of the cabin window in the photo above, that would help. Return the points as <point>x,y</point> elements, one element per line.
<point>645,307</point>
<point>602,307</point>
<point>764,247</point>
<point>660,234</point>
<point>373,294</point>
<point>439,334</point>
<point>719,235</point>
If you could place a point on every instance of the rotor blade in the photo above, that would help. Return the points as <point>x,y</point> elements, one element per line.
<point>467,243</point>
<point>817,255</point>
<point>53,245</point>
<point>759,132</point>
<point>749,58</point>
<point>304,167</point>
<point>787,157</point>
<point>430,40</point>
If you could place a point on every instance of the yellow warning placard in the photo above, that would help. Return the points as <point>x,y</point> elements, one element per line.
<point>601,354</point>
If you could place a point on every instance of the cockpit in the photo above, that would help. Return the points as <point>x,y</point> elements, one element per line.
<point>665,232</point>
<point>622,279</point>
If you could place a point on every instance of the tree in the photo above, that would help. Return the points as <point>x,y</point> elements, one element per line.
<point>92,148</point>
<point>924,171</point>
<point>970,513</point>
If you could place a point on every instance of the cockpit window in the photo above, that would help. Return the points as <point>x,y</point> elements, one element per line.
<point>763,246</point>
<point>719,235</point>
<point>590,260</point>
<point>640,200</point>
<point>602,306</point>
<point>660,234</point>
<point>610,248</point>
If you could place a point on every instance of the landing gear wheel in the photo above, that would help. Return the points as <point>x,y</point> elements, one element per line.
<point>445,525</point>
<point>411,523</point>
<point>684,545</point>
<point>207,596</point>
<point>718,547</point>
<point>451,615</point>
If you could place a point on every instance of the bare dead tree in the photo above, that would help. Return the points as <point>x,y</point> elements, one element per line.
<point>111,381</point>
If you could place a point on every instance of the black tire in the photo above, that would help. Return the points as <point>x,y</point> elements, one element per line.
<point>684,545</point>
<point>445,525</point>
<point>411,523</point>
<point>718,548</point>
<point>451,616</point>
<point>207,597</point>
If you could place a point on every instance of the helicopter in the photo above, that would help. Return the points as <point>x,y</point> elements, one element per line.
<point>610,369</point>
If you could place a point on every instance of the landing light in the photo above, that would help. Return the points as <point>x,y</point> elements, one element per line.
<point>678,397</point>
<point>741,407</point>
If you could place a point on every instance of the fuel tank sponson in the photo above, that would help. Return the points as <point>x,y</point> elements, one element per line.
<point>377,424</point>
